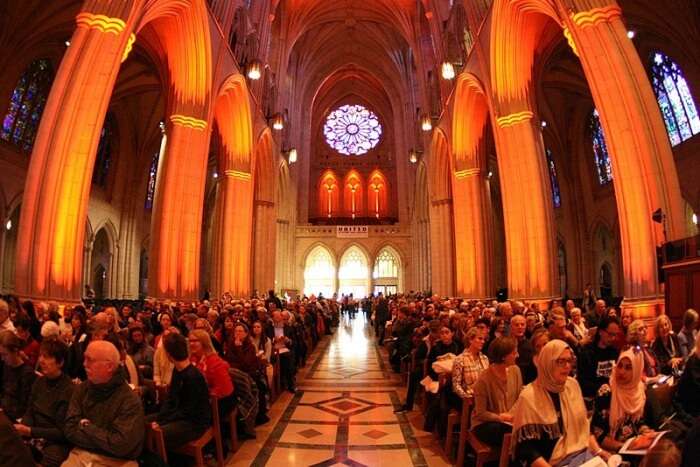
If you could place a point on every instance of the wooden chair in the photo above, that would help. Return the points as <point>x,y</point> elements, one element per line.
<point>505,451</point>
<point>196,448</point>
<point>233,422</point>
<point>155,442</point>
<point>457,418</point>
<point>464,424</point>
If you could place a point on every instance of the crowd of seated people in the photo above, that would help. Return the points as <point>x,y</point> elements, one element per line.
<point>567,384</point>
<point>86,384</point>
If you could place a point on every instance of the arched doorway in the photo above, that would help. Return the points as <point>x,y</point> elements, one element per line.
<point>353,273</point>
<point>143,273</point>
<point>101,263</point>
<point>606,282</point>
<point>319,273</point>
<point>386,273</point>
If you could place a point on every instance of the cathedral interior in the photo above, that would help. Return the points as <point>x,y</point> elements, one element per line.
<point>176,150</point>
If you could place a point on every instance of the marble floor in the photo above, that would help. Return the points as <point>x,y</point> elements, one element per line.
<point>343,412</point>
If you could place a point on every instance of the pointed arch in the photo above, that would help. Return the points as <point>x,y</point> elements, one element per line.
<point>354,271</point>
<point>388,270</point>
<point>329,195</point>
<point>353,188</point>
<point>377,195</point>
<point>470,116</point>
<point>319,271</point>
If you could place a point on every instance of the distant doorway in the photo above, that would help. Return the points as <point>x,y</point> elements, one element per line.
<point>353,274</point>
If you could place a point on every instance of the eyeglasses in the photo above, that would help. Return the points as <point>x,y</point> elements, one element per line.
<point>564,362</point>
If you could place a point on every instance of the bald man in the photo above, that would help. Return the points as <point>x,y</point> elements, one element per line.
<point>105,418</point>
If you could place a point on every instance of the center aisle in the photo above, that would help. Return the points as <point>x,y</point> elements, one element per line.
<point>342,412</point>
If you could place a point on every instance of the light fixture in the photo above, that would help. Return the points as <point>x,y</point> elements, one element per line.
<point>8,226</point>
<point>216,175</point>
<point>448,71</point>
<point>254,70</point>
<point>278,122</point>
<point>425,123</point>
<point>695,219</point>
<point>543,123</point>
<point>631,34</point>
<point>161,125</point>
<point>490,174</point>
<point>67,43</point>
<point>292,155</point>
<point>413,156</point>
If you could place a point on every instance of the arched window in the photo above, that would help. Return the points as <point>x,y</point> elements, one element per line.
<point>377,205</point>
<point>319,273</point>
<point>386,265</point>
<point>352,130</point>
<point>353,273</point>
<point>103,161</point>
<point>352,195</point>
<point>674,98</point>
<point>27,104</point>
<point>328,195</point>
<point>600,149</point>
<point>152,175</point>
<point>556,193</point>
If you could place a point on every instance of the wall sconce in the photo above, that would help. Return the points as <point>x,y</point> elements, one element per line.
<point>254,70</point>
<point>448,70</point>
<point>694,218</point>
<point>292,155</point>
<point>425,123</point>
<point>278,122</point>
<point>413,156</point>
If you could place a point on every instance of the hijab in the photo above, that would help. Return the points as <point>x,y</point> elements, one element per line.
<point>627,400</point>
<point>534,414</point>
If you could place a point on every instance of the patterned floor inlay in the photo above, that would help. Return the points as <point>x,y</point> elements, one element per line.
<point>342,413</point>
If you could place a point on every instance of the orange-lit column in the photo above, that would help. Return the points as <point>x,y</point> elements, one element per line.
<point>442,247</point>
<point>233,234</point>
<point>644,171</point>
<point>176,224</point>
<point>527,207</point>
<point>54,206</point>
<point>265,245</point>
<point>473,246</point>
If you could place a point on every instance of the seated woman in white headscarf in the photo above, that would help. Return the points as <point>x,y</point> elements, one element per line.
<point>550,424</point>
<point>625,415</point>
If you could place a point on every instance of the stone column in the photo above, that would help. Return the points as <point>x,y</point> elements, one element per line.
<point>265,246</point>
<point>527,208</point>
<point>473,245</point>
<point>233,234</point>
<point>54,205</point>
<point>442,247</point>
<point>643,167</point>
<point>176,225</point>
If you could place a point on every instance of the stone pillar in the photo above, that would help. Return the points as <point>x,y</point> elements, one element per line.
<point>54,206</point>
<point>527,208</point>
<point>176,225</point>
<point>442,247</point>
<point>473,246</point>
<point>644,171</point>
<point>265,246</point>
<point>233,234</point>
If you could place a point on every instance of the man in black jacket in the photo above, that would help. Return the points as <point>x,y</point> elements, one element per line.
<point>597,359</point>
<point>105,417</point>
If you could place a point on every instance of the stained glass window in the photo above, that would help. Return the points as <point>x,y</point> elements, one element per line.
<point>556,193</point>
<point>674,98</point>
<point>151,188</point>
<point>27,104</point>
<point>352,130</point>
<point>385,266</point>
<point>103,161</point>
<point>600,150</point>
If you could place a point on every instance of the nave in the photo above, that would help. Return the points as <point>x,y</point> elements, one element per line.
<point>343,412</point>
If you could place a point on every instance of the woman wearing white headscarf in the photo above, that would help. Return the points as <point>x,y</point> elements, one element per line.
<point>550,424</point>
<point>625,417</point>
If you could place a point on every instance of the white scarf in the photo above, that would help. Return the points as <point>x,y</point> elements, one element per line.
<point>627,400</point>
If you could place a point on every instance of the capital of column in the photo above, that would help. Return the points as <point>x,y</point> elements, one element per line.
<point>596,16</point>
<point>570,40</point>
<point>514,118</point>
<point>129,46</point>
<point>101,23</point>
<point>240,175</point>
<point>461,174</point>
<point>188,122</point>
